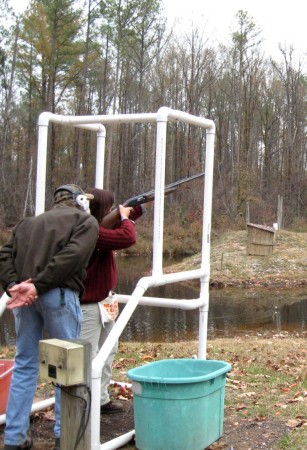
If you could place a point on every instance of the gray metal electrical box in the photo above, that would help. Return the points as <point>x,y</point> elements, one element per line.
<point>61,361</point>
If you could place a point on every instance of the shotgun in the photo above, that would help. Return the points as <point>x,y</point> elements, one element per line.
<point>110,219</point>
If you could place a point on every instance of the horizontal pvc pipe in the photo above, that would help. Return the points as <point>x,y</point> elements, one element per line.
<point>87,127</point>
<point>121,383</point>
<point>184,304</point>
<point>160,280</point>
<point>142,285</point>
<point>45,118</point>
<point>118,442</point>
<point>193,120</point>
<point>173,115</point>
<point>164,113</point>
<point>38,406</point>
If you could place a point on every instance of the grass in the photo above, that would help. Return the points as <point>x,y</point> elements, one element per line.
<point>267,380</point>
<point>232,267</point>
<point>268,376</point>
<point>294,441</point>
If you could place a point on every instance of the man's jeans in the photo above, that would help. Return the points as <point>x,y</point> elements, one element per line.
<point>58,311</point>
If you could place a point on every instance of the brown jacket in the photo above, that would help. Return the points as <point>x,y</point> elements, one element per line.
<point>53,249</point>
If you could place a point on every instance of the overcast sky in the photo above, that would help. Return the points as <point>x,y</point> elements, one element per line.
<point>281,22</point>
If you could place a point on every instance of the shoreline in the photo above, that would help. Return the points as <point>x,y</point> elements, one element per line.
<point>265,284</point>
<point>232,267</point>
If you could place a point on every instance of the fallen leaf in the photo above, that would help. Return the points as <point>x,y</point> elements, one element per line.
<point>248,394</point>
<point>121,397</point>
<point>217,446</point>
<point>147,358</point>
<point>294,423</point>
<point>294,400</point>
<point>238,408</point>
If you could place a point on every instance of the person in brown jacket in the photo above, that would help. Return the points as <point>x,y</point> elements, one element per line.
<point>42,268</point>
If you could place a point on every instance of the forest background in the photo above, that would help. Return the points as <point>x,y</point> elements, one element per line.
<point>120,56</point>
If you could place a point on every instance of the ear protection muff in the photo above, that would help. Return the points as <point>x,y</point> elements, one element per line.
<point>77,196</point>
<point>83,202</point>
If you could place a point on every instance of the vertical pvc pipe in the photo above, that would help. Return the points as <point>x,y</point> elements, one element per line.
<point>207,212</point>
<point>104,352</point>
<point>3,300</point>
<point>101,142</point>
<point>207,208</point>
<point>203,320</point>
<point>43,125</point>
<point>95,412</point>
<point>159,191</point>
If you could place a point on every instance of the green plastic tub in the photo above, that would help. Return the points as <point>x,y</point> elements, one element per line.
<point>178,403</point>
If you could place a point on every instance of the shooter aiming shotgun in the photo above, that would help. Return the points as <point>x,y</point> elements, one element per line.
<point>110,219</point>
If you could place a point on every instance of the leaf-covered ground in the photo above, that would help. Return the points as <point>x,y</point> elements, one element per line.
<point>266,391</point>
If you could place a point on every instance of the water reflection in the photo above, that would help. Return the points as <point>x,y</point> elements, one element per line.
<point>231,311</point>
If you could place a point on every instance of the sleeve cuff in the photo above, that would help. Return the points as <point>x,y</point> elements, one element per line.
<point>127,218</point>
<point>9,286</point>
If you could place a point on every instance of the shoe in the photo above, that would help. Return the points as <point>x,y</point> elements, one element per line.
<point>111,408</point>
<point>25,446</point>
<point>57,444</point>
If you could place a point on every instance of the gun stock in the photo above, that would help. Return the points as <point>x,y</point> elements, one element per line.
<point>111,219</point>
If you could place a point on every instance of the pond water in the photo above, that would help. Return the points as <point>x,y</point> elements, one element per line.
<point>231,312</point>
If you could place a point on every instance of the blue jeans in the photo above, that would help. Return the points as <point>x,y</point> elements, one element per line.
<point>58,311</point>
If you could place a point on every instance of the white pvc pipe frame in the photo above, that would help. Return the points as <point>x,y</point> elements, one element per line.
<point>162,117</point>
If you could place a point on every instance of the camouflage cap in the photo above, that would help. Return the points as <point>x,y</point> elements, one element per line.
<point>69,191</point>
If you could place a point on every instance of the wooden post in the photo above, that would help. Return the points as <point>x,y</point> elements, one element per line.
<point>279,211</point>
<point>76,407</point>
<point>247,218</point>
